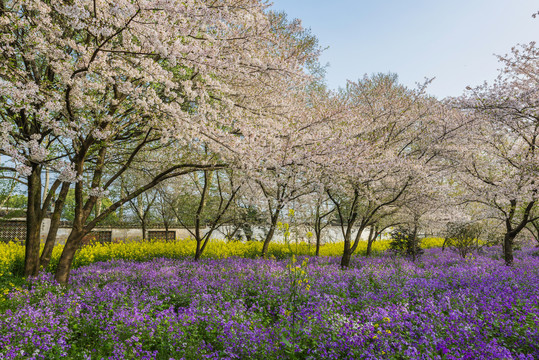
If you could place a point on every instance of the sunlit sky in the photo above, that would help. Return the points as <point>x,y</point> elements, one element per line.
<point>451,40</point>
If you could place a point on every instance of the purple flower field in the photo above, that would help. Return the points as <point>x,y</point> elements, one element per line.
<point>443,307</point>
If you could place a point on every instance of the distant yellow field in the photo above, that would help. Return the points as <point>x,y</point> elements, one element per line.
<point>12,254</point>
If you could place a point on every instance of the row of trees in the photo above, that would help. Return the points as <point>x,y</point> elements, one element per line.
<point>223,103</point>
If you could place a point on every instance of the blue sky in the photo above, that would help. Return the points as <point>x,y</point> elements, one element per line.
<point>452,40</point>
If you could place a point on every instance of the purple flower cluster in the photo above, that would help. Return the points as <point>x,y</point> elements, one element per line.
<point>443,307</point>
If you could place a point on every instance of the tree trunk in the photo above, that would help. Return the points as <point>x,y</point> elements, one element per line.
<point>271,232</point>
<point>267,240</point>
<point>347,250</point>
<point>122,195</point>
<point>350,248</point>
<point>318,230</point>
<point>535,225</point>
<point>74,240</point>
<point>55,224</point>
<point>446,239</point>
<point>198,251</point>
<point>66,259</point>
<point>143,224</point>
<point>512,232</point>
<point>346,257</point>
<point>370,240</point>
<point>198,216</point>
<point>98,203</point>
<point>33,223</point>
<point>508,248</point>
<point>415,248</point>
<point>318,242</point>
<point>369,247</point>
<point>46,186</point>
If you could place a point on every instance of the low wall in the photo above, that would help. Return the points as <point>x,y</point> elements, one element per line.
<point>330,234</point>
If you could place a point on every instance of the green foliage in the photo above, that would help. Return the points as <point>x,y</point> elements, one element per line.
<point>405,243</point>
<point>69,209</point>
<point>15,203</point>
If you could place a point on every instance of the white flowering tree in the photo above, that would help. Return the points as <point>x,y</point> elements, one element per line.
<point>499,149</point>
<point>381,153</point>
<point>88,86</point>
<point>291,162</point>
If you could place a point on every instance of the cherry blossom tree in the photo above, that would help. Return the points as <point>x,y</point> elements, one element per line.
<point>290,163</point>
<point>499,157</point>
<point>90,83</point>
<point>380,153</point>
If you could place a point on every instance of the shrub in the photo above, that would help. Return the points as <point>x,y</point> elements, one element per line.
<point>463,238</point>
<point>405,243</point>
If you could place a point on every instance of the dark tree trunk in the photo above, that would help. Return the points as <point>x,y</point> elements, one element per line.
<point>55,224</point>
<point>318,230</point>
<point>508,248</point>
<point>198,250</point>
<point>267,240</point>
<point>347,222</point>
<point>512,232</point>
<point>318,243</point>
<point>271,232</point>
<point>202,242</point>
<point>33,223</point>
<point>347,250</point>
<point>369,248</point>
<point>346,257</point>
<point>370,240</point>
<point>247,231</point>
<point>78,231</point>
<point>357,239</point>
<point>66,259</point>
